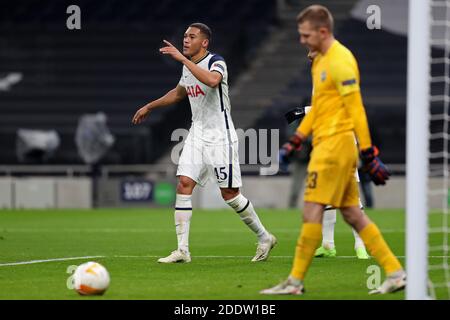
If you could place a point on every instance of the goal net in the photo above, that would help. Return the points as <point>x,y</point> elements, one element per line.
<point>428,219</point>
<point>438,199</point>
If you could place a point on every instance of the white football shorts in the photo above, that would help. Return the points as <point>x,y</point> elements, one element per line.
<point>200,162</point>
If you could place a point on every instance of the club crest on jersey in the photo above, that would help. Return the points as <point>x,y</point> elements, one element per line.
<point>194,91</point>
<point>323,76</point>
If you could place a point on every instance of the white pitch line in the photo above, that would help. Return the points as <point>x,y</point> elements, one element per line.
<point>150,230</point>
<point>271,257</point>
<point>47,260</point>
<point>146,257</point>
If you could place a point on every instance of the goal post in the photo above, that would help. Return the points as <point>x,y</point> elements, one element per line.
<point>428,156</point>
<point>417,148</point>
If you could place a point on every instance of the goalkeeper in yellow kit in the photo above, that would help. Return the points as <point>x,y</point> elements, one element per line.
<point>336,116</point>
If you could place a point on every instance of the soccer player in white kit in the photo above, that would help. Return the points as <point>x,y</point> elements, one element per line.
<point>211,147</point>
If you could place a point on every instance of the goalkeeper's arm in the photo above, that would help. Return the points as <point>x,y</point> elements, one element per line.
<point>372,164</point>
<point>354,105</point>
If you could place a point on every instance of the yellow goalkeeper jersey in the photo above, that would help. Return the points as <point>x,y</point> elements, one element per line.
<point>335,75</point>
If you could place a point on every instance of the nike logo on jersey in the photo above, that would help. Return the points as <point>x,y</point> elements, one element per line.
<point>194,91</point>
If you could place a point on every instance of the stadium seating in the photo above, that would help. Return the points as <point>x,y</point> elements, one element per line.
<point>111,65</point>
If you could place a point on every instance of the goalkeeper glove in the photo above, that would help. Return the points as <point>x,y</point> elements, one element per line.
<point>294,144</point>
<point>377,170</point>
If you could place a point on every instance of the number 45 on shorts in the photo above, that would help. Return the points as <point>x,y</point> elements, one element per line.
<point>221,175</point>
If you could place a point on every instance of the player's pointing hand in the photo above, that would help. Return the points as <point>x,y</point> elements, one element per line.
<point>140,115</point>
<point>168,44</point>
<point>171,50</point>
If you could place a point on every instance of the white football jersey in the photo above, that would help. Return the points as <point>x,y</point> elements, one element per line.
<point>211,118</point>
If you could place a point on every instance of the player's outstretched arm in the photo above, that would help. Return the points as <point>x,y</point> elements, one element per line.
<point>210,78</point>
<point>173,96</point>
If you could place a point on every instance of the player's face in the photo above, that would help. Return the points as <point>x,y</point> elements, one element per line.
<point>310,37</point>
<point>193,42</point>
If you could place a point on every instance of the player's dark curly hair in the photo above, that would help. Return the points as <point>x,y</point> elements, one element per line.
<point>203,29</point>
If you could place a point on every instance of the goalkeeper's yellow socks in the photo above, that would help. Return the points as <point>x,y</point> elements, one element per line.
<point>379,249</point>
<point>308,241</point>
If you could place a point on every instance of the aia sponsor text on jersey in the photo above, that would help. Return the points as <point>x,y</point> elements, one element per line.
<point>194,91</point>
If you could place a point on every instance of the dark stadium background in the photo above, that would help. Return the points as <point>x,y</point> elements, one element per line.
<point>113,65</point>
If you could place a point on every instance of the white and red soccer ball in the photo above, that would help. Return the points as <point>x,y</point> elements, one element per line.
<point>91,278</point>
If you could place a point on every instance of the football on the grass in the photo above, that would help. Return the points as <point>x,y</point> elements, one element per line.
<point>91,278</point>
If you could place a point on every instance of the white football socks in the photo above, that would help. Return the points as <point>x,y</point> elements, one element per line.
<point>328,223</point>
<point>183,214</point>
<point>245,209</point>
<point>358,241</point>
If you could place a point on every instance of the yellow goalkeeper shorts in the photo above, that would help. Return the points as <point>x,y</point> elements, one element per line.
<point>331,178</point>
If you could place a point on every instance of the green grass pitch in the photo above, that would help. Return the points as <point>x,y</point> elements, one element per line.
<point>129,241</point>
